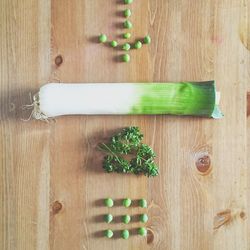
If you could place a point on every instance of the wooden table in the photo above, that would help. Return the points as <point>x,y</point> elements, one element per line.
<point>52,183</point>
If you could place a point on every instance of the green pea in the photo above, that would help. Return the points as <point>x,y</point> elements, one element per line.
<point>126,202</point>
<point>108,218</point>
<point>143,218</point>
<point>128,1</point>
<point>102,38</point>
<point>113,44</point>
<point>126,219</point>
<point>142,231</point>
<point>127,24</point>
<point>127,13</point>
<point>138,45</point>
<point>108,202</point>
<point>143,203</point>
<point>126,46</point>
<point>127,35</point>
<point>125,234</point>
<point>147,39</point>
<point>125,58</point>
<point>108,233</point>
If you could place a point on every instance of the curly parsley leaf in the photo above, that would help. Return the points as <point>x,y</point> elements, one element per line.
<point>128,142</point>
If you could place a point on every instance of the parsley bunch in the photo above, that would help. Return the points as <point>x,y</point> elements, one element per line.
<point>139,157</point>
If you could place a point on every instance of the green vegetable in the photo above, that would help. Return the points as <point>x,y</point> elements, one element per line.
<point>143,218</point>
<point>126,219</point>
<point>128,142</point>
<point>147,39</point>
<point>108,202</point>
<point>126,202</point>
<point>143,203</point>
<point>126,46</point>
<point>102,38</point>
<point>127,35</point>
<point>108,218</point>
<point>108,233</point>
<point>125,234</point>
<point>128,1</point>
<point>138,45</point>
<point>127,24</point>
<point>113,44</point>
<point>126,58</point>
<point>142,231</point>
<point>127,13</point>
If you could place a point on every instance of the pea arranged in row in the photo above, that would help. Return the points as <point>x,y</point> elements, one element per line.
<point>102,38</point>
<point>125,233</point>
<point>108,233</point>
<point>109,202</point>
<point>125,218</point>
<point>143,203</point>
<point>126,46</point>
<point>147,39</point>
<point>126,58</point>
<point>108,218</point>
<point>143,218</point>
<point>127,35</point>
<point>114,43</point>
<point>128,1</point>
<point>125,202</point>
<point>142,231</point>
<point>127,24</point>
<point>127,13</point>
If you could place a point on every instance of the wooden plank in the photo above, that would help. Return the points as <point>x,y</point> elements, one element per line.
<point>24,147</point>
<point>52,182</point>
<point>248,173</point>
<point>191,41</point>
<point>244,34</point>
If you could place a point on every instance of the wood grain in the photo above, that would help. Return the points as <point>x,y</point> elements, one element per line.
<point>52,184</point>
<point>24,146</point>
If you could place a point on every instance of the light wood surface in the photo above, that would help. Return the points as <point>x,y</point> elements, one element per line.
<point>52,182</point>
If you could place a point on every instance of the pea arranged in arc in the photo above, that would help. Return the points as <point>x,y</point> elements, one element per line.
<point>143,203</point>
<point>127,24</point>
<point>125,234</point>
<point>126,46</point>
<point>138,45</point>
<point>108,233</point>
<point>143,218</point>
<point>126,219</point>
<point>127,13</point>
<point>102,38</point>
<point>108,218</point>
<point>128,1</point>
<point>126,202</point>
<point>109,202</point>
<point>127,35</point>
<point>142,231</point>
<point>147,39</point>
<point>114,44</point>
<point>126,58</point>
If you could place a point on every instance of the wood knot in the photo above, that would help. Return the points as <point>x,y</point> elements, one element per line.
<point>242,215</point>
<point>222,218</point>
<point>58,60</point>
<point>56,207</point>
<point>203,164</point>
<point>150,236</point>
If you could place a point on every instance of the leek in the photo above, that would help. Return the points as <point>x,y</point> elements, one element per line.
<point>183,98</point>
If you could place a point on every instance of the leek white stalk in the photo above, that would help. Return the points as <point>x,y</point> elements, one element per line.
<point>183,98</point>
